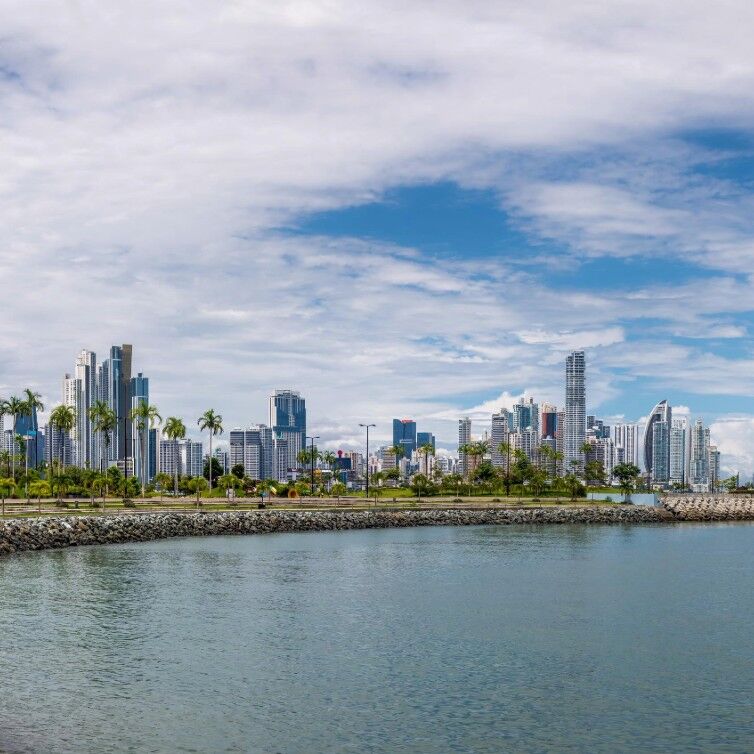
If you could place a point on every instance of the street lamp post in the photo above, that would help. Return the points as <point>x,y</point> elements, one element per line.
<point>312,438</point>
<point>366,426</point>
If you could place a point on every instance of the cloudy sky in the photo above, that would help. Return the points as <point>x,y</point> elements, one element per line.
<point>399,208</point>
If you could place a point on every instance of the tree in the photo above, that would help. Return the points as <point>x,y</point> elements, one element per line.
<point>338,489</point>
<point>420,484</point>
<point>213,423</point>
<point>175,430</point>
<point>33,402</point>
<point>14,407</point>
<point>537,478</point>
<point>594,473</point>
<point>104,422</point>
<point>505,448</point>
<point>145,417</point>
<point>198,484</point>
<point>627,475</point>
<point>573,485</point>
<point>212,468</point>
<point>426,450</point>
<point>7,485</point>
<point>397,451</point>
<point>163,481</point>
<point>5,458</point>
<point>39,489</point>
<point>238,471</point>
<point>228,482</point>
<point>64,418</point>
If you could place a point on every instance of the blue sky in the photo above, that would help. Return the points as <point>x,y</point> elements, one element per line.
<point>399,209</point>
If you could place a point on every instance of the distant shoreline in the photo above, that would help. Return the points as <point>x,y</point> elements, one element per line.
<point>55,532</point>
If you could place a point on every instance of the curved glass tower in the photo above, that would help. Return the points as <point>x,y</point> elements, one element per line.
<point>656,444</point>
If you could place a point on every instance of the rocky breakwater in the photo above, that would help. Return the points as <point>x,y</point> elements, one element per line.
<point>17,535</point>
<point>710,508</point>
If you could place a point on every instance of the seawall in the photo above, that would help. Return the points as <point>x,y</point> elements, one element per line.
<point>17,535</point>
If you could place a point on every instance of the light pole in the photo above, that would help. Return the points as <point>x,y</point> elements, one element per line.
<point>313,438</point>
<point>366,426</point>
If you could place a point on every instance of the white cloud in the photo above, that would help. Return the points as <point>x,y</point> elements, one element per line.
<point>151,153</point>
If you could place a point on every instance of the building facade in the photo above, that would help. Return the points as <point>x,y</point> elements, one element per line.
<point>574,433</point>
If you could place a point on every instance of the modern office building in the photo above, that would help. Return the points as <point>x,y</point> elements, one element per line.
<point>525,415</point>
<point>574,431</point>
<point>626,438</point>
<point>85,374</point>
<point>27,426</point>
<point>139,394</point>
<point>404,434</point>
<point>714,469</point>
<point>254,449</point>
<point>656,443</point>
<point>425,438</point>
<point>288,422</point>
<point>221,454</point>
<point>499,433</point>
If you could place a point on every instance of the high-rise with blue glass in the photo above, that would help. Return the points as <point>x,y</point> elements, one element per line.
<point>404,434</point>
<point>288,423</point>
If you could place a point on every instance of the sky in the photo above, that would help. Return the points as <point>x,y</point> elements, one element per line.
<point>398,208</point>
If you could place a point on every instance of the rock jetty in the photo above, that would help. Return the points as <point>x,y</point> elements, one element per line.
<point>710,508</point>
<point>17,535</point>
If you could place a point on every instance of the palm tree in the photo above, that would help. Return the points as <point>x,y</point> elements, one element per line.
<point>175,430</point>
<point>398,451</point>
<point>5,458</point>
<point>145,417</point>
<point>33,405</point>
<point>213,423</point>
<point>6,487</point>
<point>162,481</point>
<point>505,448</point>
<point>14,407</point>
<point>64,418</point>
<point>104,422</point>
<point>330,459</point>
<point>426,450</point>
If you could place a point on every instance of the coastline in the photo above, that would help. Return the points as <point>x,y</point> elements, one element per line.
<point>55,532</point>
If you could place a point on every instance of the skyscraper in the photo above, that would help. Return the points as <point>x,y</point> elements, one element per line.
<point>425,438</point>
<point>288,422</point>
<point>678,457</point>
<point>656,444</point>
<point>404,434</point>
<point>85,374</point>
<point>574,431</point>
<point>700,457</point>
<point>464,438</point>
<point>499,434</point>
<point>625,437</point>
<point>140,452</point>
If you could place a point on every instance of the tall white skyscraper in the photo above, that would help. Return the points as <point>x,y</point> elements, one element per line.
<point>656,444</point>
<point>700,473</point>
<point>464,438</point>
<point>626,437</point>
<point>678,454</point>
<point>574,432</point>
<point>499,434</point>
<point>85,374</point>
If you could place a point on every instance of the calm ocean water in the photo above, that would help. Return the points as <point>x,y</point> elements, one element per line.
<point>428,640</point>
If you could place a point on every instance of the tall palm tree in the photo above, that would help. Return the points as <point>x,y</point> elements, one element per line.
<point>213,423</point>
<point>64,418</point>
<point>97,413</point>
<point>426,450</point>
<point>145,417</point>
<point>505,448</point>
<point>330,459</point>
<point>14,407</point>
<point>175,430</point>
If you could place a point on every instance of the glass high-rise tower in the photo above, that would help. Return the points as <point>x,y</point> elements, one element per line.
<point>288,422</point>
<point>574,430</point>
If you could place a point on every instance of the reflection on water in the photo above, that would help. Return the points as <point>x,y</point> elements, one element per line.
<point>478,639</point>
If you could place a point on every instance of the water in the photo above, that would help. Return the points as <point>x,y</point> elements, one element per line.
<point>427,640</point>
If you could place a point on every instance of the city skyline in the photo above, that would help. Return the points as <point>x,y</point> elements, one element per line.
<point>112,381</point>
